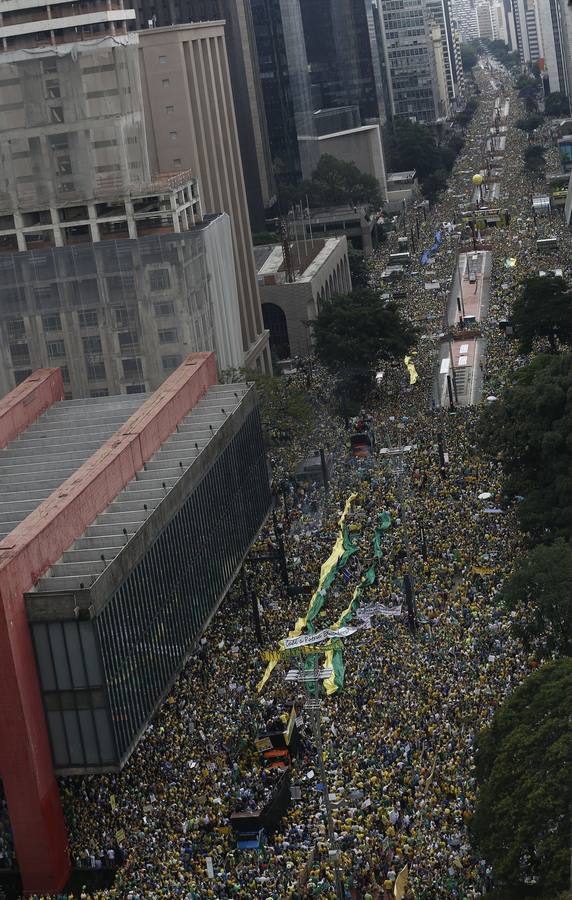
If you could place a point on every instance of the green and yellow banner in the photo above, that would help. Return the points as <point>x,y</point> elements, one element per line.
<point>413,374</point>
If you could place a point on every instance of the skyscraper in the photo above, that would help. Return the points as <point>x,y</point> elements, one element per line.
<point>344,56</point>
<point>245,83</point>
<point>413,66</point>
<point>190,119</point>
<point>439,12</point>
<point>286,87</point>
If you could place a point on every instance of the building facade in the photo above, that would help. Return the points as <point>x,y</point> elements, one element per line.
<point>410,60</point>
<point>439,13</point>
<point>344,56</point>
<point>362,146</point>
<point>119,315</point>
<point>248,101</point>
<point>289,307</point>
<point>190,121</point>
<point>148,503</point>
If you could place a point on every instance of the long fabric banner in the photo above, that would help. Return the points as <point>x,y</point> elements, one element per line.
<point>343,549</point>
<point>335,656</point>
<point>413,374</point>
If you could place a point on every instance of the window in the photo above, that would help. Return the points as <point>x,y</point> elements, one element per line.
<point>163,60</point>
<point>128,339</point>
<point>56,114</point>
<point>135,389</point>
<point>92,344</point>
<point>56,349</point>
<point>173,135</point>
<point>169,110</point>
<point>65,374</point>
<point>166,82</point>
<point>21,375</point>
<point>123,315</point>
<point>159,280</point>
<point>99,392</point>
<point>64,166</point>
<point>16,328</point>
<point>170,363</point>
<point>176,161</point>
<point>20,353</point>
<point>168,336</point>
<point>96,371</point>
<point>164,309</point>
<point>49,65</point>
<point>132,367</point>
<point>52,323</point>
<point>53,89</point>
<point>87,318</point>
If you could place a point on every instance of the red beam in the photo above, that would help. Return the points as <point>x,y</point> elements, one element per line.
<point>25,403</point>
<point>25,554</point>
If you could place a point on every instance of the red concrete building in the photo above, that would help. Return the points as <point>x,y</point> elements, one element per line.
<point>123,521</point>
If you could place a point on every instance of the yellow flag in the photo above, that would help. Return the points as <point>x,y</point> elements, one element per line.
<point>267,673</point>
<point>401,883</point>
<point>413,376</point>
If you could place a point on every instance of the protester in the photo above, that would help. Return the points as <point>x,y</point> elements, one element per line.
<point>398,738</point>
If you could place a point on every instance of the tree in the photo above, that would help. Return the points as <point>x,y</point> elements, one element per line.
<point>556,104</point>
<point>335,182</point>
<point>284,409</point>
<point>434,183</point>
<point>529,430</point>
<point>534,161</point>
<point>543,309</point>
<point>411,146</point>
<point>539,590</point>
<point>521,823</point>
<point>530,123</point>
<point>468,57</point>
<point>353,332</point>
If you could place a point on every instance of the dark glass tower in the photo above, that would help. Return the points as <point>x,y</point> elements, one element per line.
<point>286,87</point>
<point>344,55</point>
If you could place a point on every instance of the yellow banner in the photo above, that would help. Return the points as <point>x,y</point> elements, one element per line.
<point>401,883</point>
<point>326,567</point>
<point>413,376</point>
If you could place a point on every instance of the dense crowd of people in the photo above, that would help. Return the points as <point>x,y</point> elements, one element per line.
<point>398,737</point>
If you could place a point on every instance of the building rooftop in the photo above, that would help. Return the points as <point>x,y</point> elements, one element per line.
<point>270,260</point>
<point>105,539</point>
<point>40,459</point>
<point>401,176</point>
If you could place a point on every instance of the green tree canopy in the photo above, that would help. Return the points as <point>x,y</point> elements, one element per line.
<point>335,182</point>
<point>543,309</point>
<point>411,146</point>
<point>355,331</point>
<point>522,818</point>
<point>285,411</point>
<point>468,57</point>
<point>534,160</point>
<point>556,104</point>
<point>358,267</point>
<point>531,428</point>
<point>530,123</point>
<point>539,590</point>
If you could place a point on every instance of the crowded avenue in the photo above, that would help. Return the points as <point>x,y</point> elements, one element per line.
<point>396,739</point>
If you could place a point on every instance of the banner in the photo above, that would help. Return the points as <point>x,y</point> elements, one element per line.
<point>334,658</point>
<point>343,549</point>
<point>413,376</point>
<point>401,883</point>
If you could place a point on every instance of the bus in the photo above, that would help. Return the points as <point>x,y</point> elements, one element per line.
<point>399,259</point>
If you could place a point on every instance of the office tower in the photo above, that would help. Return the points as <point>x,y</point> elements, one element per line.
<point>190,119</point>
<point>566,20</point>
<point>439,13</point>
<point>485,22</point>
<point>245,83</point>
<point>554,42</point>
<point>440,73</point>
<point>286,87</point>
<point>527,27</point>
<point>124,522</point>
<point>412,67</point>
<point>344,55</point>
<point>465,15</point>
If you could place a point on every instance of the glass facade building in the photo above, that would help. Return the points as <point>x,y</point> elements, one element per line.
<point>105,671</point>
<point>344,55</point>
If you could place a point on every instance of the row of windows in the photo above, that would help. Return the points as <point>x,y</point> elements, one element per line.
<point>153,619</point>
